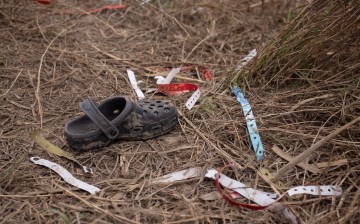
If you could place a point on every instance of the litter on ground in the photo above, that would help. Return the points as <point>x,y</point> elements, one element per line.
<point>143,91</point>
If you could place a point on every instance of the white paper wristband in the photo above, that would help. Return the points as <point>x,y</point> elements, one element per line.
<point>134,84</point>
<point>264,198</point>
<point>66,175</point>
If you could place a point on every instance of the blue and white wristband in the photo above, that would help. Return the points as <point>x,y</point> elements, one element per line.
<point>250,123</point>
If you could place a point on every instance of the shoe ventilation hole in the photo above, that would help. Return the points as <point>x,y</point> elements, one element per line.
<point>145,111</point>
<point>158,101</point>
<point>137,129</point>
<point>153,105</point>
<point>150,108</point>
<point>159,106</point>
<point>156,128</point>
<point>166,110</point>
<point>156,113</point>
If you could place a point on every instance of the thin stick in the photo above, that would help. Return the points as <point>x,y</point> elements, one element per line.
<point>312,149</point>
<point>173,18</point>
<point>352,209</point>
<point>309,100</point>
<point>12,84</point>
<point>339,162</point>
<point>220,151</point>
<point>116,217</point>
<point>197,45</point>
<point>37,93</point>
<point>118,59</point>
<point>137,66</point>
<point>311,168</point>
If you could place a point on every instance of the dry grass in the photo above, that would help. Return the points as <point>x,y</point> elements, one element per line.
<point>50,61</point>
<point>305,84</point>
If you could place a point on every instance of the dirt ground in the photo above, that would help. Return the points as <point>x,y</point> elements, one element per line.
<point>53,56</point>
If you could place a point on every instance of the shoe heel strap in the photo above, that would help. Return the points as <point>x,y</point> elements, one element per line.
<point>90,109</point>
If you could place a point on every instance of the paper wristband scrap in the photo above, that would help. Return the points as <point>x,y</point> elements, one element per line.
<point>193,99</point>
<point>264,199</point>
<point>179,175</point>
<point>66,175</point>
<point>205,71</point>
<point>178,88</point>
<point>316,190</point>
<point>45,144</point>
<point>236,195</point>
<point>134,84</point>
<point>259,197</point>
<point>207,74</point>
<point>169,77</point>
<point>267,175</point>
<point>278,208</point>
<point>246,59</point>
<point>250,123</point>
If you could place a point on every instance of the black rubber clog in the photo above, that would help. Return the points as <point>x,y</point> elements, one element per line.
<point>119,118</point>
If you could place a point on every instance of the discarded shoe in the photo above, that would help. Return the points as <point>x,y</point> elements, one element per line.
<point>119,118</point>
